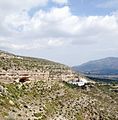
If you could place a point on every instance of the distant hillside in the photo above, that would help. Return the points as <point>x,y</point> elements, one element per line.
<point>102,66</point>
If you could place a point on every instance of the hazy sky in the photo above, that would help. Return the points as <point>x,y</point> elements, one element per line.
<point>66,31</point>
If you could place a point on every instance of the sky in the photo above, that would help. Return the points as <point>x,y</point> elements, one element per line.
<point>67,31</point>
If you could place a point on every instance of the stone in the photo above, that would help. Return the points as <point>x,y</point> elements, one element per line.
<point>1,89</point>
<point>11,102</point>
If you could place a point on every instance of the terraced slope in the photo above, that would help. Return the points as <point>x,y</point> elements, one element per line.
<point>12,67</point>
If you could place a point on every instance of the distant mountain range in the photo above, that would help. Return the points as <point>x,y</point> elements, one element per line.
<point>106,66</point>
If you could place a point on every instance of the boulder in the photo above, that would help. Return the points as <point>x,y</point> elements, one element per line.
<point>2,89</point>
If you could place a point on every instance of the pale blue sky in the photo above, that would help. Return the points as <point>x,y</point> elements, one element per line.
<point>84,7</point>
<point>67,31</point>
<point>93,7</point>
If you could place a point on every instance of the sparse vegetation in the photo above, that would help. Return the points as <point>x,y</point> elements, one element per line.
<point>53,99</point>
<point>39,101</point>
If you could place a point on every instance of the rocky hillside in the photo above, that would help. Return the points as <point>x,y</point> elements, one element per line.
<point>106,66</point>
<point>57,100</point>
<point>38,89</point>
<point>13,67</point>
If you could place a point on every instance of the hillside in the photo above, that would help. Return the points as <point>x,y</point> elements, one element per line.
<point>106,66</point>
<point>38,89</point>
<point>56,100</point>
<point>13,67</point>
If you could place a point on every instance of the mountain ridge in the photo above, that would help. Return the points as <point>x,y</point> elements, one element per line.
<point>101,66</point>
